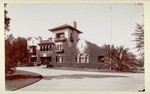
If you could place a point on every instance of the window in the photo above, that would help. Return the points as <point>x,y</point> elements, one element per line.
<point>40,48</point>
<point>60,35</point>
<point>100,59</point>
<point>59,59</point>
<point>59,47</point>
<point>46,48</point>
<point>71,34</point>
<point>83,58</point>
<point>32,41</point>
<point>49,48</point>
<point>33,49</point>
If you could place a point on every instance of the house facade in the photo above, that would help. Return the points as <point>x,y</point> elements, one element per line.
<point>66,49</point>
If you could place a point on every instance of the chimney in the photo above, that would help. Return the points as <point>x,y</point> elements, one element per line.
<point>40,39</point>
<point>75,24</point>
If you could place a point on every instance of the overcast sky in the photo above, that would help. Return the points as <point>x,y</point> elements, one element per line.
<point>98,22</point>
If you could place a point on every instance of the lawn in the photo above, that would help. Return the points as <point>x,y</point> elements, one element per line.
<point>21,79</point>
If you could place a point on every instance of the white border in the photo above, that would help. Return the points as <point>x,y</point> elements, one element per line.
<point>146,36</point>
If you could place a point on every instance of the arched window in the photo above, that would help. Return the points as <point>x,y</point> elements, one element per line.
<point>83,58</point>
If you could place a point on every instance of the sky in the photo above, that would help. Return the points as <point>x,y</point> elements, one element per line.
<point>100,23</point>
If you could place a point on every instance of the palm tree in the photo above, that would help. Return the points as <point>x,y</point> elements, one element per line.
<point>120,58</point>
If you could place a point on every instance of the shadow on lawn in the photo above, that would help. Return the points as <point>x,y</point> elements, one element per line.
<point>17,77</point>
<point>79,76</point>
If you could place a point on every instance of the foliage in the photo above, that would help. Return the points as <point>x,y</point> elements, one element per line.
<point>120,58</point>
<point>20,47</point>
<point>15,51</point>
<point>9,57</point>
<point>139,39</point>
<point>7,20</point>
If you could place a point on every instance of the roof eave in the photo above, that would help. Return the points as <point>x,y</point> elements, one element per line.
<point>55,29</point>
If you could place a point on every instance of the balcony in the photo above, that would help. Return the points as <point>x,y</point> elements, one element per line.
<point>59,51</point>
<point>45,53</point>
<point>61,39</point>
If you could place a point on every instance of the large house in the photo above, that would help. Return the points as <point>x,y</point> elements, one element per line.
<point>66,49</point>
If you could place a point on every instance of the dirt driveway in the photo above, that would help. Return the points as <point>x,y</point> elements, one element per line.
<point>68,80</point>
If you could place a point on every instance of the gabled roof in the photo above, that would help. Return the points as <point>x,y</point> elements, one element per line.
<point>84,46</point>
<point>64,27</point>
<point>29,38</point>
<point>45,42</point>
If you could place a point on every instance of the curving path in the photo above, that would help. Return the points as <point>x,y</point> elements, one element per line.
<point>66,80</point>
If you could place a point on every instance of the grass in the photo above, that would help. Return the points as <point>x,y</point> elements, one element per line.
<point>21,79</point>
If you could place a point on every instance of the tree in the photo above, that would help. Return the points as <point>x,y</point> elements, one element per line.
<point>120,58</point>
<point>15,51</point>
<point>6,19</point>
<point>19,46</point>
<point>9,55</point>
<point>139,39</point>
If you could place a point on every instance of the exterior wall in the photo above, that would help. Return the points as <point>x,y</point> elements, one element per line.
<point>32,44</point>
<point>33,41</point>
<point>60,31</point>
<point>70,56</point>
<point>70,53</point>
<point>45,56</point>
<point>75,36</point>
<point>67,33</point>
<point>92,51</point>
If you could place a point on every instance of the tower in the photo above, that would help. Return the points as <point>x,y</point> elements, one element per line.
<point>65,33</point>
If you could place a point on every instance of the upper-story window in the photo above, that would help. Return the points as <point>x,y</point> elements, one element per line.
<point>32,41</point>
<point>46,48</point>
<point>71,34</point>
<point>60,35</point>
<point>59,47</point>
<point>49,48</point>
<point>71,37</point>
<point>33,50</point>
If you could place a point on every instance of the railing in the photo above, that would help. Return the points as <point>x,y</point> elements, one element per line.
<point>62,39</point>
<point>45,53</point>
<point>59,51</point>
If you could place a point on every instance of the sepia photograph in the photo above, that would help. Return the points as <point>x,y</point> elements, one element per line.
<point>74,47</point>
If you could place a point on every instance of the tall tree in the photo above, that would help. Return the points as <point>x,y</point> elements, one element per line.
<point>139,39</point>
<point>9,51</point>
<point>20,50</point>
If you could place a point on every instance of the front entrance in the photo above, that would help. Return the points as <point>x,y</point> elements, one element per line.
<point>45,60</point>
